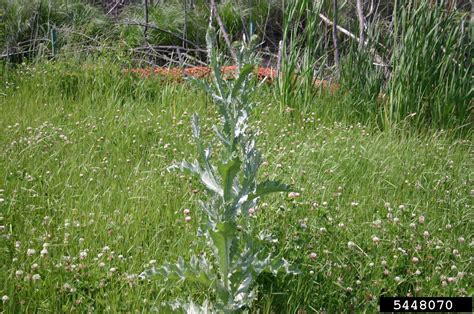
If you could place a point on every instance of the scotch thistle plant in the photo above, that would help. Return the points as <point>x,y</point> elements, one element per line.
<point>232,195</point>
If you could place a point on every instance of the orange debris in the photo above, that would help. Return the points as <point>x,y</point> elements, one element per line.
<point>228,72</point>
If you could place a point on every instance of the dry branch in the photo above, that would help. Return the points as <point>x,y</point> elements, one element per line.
<point>334,35</point>
<point>223,30</point>
<point>377,58</point>
<point>360,15</point>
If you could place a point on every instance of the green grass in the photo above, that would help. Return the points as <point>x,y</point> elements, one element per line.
<point>83,157</point>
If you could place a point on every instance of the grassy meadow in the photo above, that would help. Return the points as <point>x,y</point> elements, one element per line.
<point>87,202</point>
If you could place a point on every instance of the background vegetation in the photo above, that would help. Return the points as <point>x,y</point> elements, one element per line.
<point>383,164</point>
<point>426,42</point>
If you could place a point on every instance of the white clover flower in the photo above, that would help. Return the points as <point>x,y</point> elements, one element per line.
<point>426,234</point>
<point>293,195</point>
<point>44,252</point>
<point>187,218</point>
<point>375,239</point>
<point>19,273</point>
<point>36,277</point>
<point>421,219</point>
<point>186,211</point>
<point>350,244</point>
<point>415,260</point>
<point>397,279</point>
<point>313,256</point>
<point>5,298</point>
<point>30,252</point>
<point>82,254</point>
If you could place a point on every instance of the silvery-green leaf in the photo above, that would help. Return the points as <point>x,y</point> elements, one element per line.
<point>195,126</point>
<point>228,171</point>
<point>244,286</point>
<point>270,187</point>
<point>221,136</point>
<point>224,239</point>
<point>211,183</point>
<point>206,176</point>
<point>241,124</point>
<point>277,265</point>
<point>244,73</point>
<point>188,307</point>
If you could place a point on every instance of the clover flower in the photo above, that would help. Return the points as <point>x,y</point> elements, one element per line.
<point>293,195</point>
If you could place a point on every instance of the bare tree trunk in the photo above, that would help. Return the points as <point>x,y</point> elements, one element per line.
<point>334,34</point>
<point>185,28</point>
<point>360,15</point>
<point>223,31</point>
<point>472,12</point>
<point>145,30</point>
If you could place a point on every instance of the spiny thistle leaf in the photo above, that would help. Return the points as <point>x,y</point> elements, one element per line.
<point>224,238</point>
<point>268,187</point>
<point>206,176</point>
<point>229,170</point>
